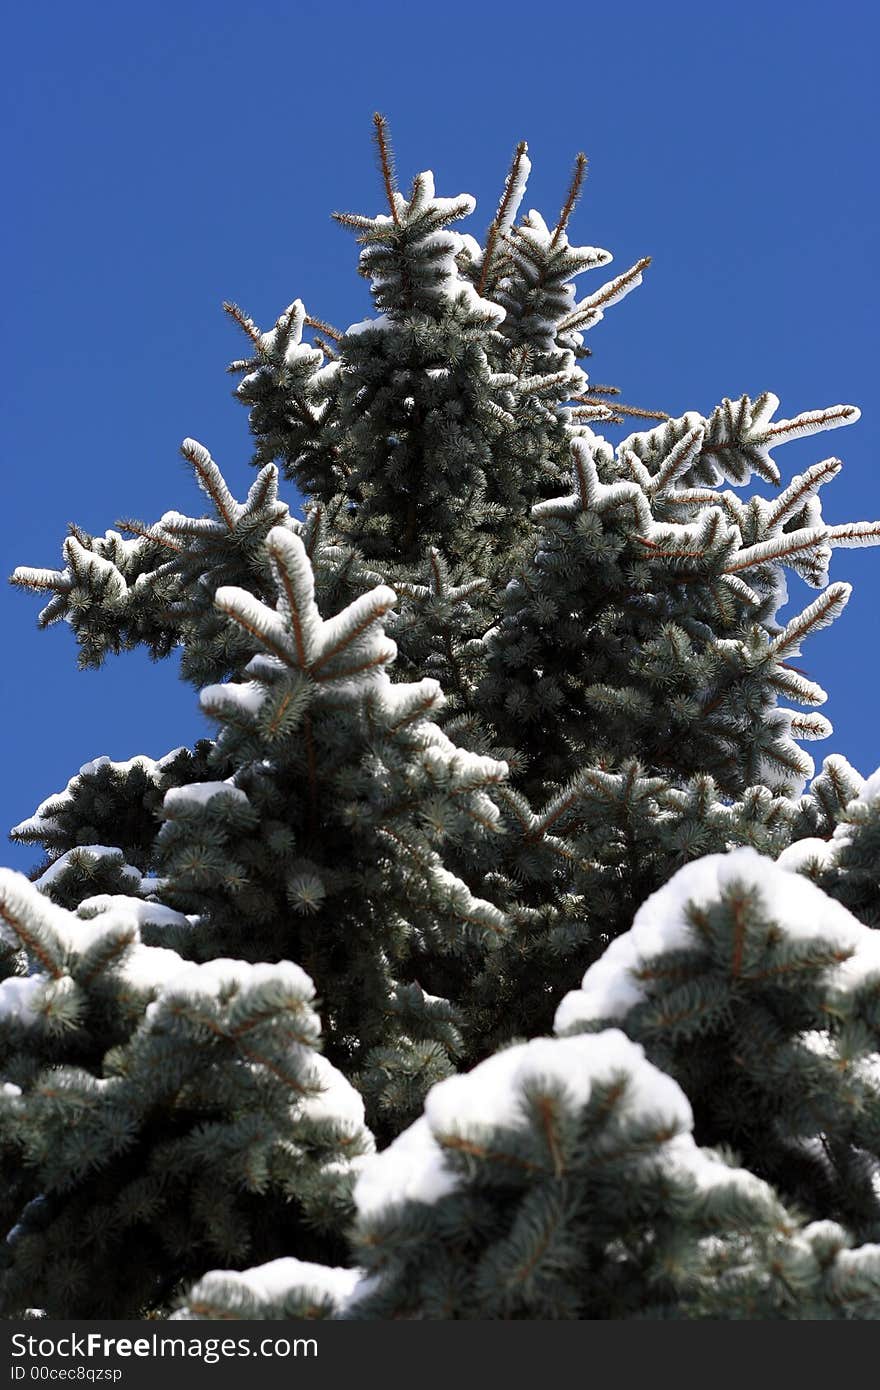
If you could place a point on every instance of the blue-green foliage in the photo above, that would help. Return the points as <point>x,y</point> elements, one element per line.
<point>157,1114</point>
<point>492,689</point>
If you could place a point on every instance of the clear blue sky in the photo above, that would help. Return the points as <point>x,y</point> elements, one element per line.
<point>162,157</point>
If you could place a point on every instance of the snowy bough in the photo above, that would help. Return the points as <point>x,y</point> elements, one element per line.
<point>291,1022</point>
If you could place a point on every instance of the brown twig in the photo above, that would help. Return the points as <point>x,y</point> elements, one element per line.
<point>245,324</point>
<point>323,328</point>
<point>574,192</point>
<point>500,215</point>
<point>386,162</point>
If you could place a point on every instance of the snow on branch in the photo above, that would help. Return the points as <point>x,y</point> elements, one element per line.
<point>821,613</point>
<point>800,490</point>
<point>852,535</point>
<point>782,547</point>
<point>670,922</point>
<point>482,1112</point>
<point>283,1288</point>
<point>588,312</point>
<point>351,646</point>
<point>508,207</point>
<point>211,481</point>
<point>811,422</point>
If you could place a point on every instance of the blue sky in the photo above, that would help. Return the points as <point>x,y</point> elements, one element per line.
<point>162,157</point>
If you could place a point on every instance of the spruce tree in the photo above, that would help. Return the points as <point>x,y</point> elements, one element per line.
<point>498,706</point>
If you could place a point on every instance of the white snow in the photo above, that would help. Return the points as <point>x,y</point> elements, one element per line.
<point>809,726</point>
<point>288,330</point>
<point>382,323</point>
<point>437,249</point>
<point>611,986</point>
<point>412,1168</point>
<point>491,1093</point>
<point>151,968</point>
<point>36,826</point>
<point>334,635</point>
<point>151,883</point>
<point>88,564</point>
<point>211,481</point>
<point>141,760</point>
<point>232,697</point>
<point>19,998</point>
<point>74,857</point>
<point>852,535</point>
<point>590,311</point>
<point>471,247</point>
<point>143,968</point>
<point>337,1100</point>
<point>21,901</point>
<point>682,1157</point>
<point>811,422</point>
<point>856,1266</point>
<point>208,980</point>
<point>200,793</point>
<point>592,495</point>
<point>42,823</point>
<point>826,853</point>
<point>352,639</point>
<point>804,854</point>
<point>821,613</point>
<point>405,705</point>
<point>396,704</point>
<point>144,913</point>
<point>271,1283</point>
<point>802,489</point>
<point>455,896</point>
<point>168,758</point>
<point>869,791</point>
<point>864,962</point>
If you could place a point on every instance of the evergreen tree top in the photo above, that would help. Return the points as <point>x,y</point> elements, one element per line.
<point>498,704</point>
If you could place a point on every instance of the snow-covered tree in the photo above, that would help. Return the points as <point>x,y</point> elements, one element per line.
<point>484,692</point>
<point>560,1179</point>
<point>159,1113</point>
